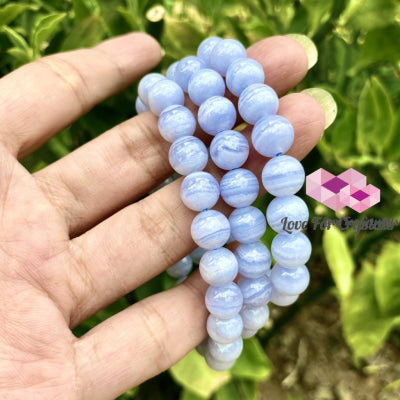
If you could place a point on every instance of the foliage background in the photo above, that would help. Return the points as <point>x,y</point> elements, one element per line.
<point>359,63</point>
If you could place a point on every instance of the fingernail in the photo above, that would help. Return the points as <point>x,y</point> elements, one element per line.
<point>309,46</point>
<point>327,102</point>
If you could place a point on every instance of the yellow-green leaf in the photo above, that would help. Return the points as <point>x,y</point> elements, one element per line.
<point>11,11</point>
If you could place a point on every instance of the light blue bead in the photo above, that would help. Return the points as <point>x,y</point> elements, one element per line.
<point>186,68</point>
<point>145,85</point>
<point>197,254</point>
<point>218,267</point>
<point>225,351</point>
<point>205,83</point>
<point>140,106</point>
<point>224,330</point>
<point>210,229</point>
<point>199,190</point>
<point>229,149</point>
<point>243,72</point>
<point>171,71</point>
<point>254,317</point>
<point>217,365</point>
<point>248,224</point>
<point>239,187</point>
<point>272,135</point>
<point>224,53</point>
<point>175,122</point>
<point>290,281</point>
<point>248,333</point>
<point>206,47</point>
<point>224,301</point>
<point>257,101</point>
<point>256,292</point>
<point>281,299</point>
<point>188,154</point>
<point>181,268</point>
<point>291,251</point>
<point>216,114</point>
<point>254,259</point>
<point>283,176</point>
<point>164,93</point>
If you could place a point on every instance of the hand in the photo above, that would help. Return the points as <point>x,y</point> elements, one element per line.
<point>71,243</point>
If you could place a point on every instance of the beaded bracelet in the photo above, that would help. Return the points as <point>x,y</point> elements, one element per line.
<point>237,310</point>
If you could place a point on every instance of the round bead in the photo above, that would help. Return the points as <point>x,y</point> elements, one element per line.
<point>283,176</point>
<point>199,190</point>
<point>224,53</point>
<point>224,330</point>
<point>185,69</point>
<point>290,281</point>
<point>175,122</point>
<point>217,365</point>
<point>256,292</point>
<point>206,47</point>
<point>218,267</point>
<point>254,317</point>
<point>291,251</point>
<point>257,101</point>
<point>287,214</point>
<point>181,268</point>
<point>210,229</point>
<point>248,333</point>
<point>239,187</point>
<point>247,224</point>
<point>254,259</point>
<point>188,154</point>
<point>145,85</point>
<point>164,93</point>
<point>225,351</point>
<point>171,71</point>
<point>229,149</point>
<point>216,114</point>
<point>272,135</point>
<point>204,84</point>
<point>243,72</point>
<point>140,106</point>
<point>224,301</point>
<point>197,254</point>
<point>281,299</point>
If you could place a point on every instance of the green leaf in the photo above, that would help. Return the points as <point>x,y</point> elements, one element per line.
<point>11,11</point>
<point>387,280</point>
<point>86,33</point>
<point>248,389</point>
<point>22,52</point>
<point>84,8</point>
<point>253,363</point>
<point>392,178</point>
<point>188,395</point>
<point>193,374</point>
<point>339,259</point>
<point>318,13</point>
<point>375,117</point>
<point>227,392</point>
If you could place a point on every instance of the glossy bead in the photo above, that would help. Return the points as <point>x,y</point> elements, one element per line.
<point>283,176</point>
<point>164,93</point>
<point>216,114</point>
<point>206,47</point>
<point>225,351</point>
<point>210,229</point>
<point>281,299</point>
<point>239,187</point>
<point>243,72</point>
<point>247,224</point>
<point>197,253</point>
<point>256,292</point>
<point>218,267</point>
<point>224,53</point>
<point>188,154</point>
<point>185,69</point>
<point>145,85</point>
<point>287,214</point>
<point>224,301</point>
<point>224,330</point>
<point>205,83</point>
<point>140,106</point>
<point>291,251</point>
<point>171,71</point>
<point>272,135</point>
<point>257,101</point>
<point>199,190</point>
<point>254,259</point>
<point>248,333</point>
<point>175,122</point>
<point>181,268</point>
<point>229,149</point>
<point>254,317</point>
<point>290,281</point>
<point>217,365</point>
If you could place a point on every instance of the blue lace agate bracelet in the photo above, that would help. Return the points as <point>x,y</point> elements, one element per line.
<point>237,310</point>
